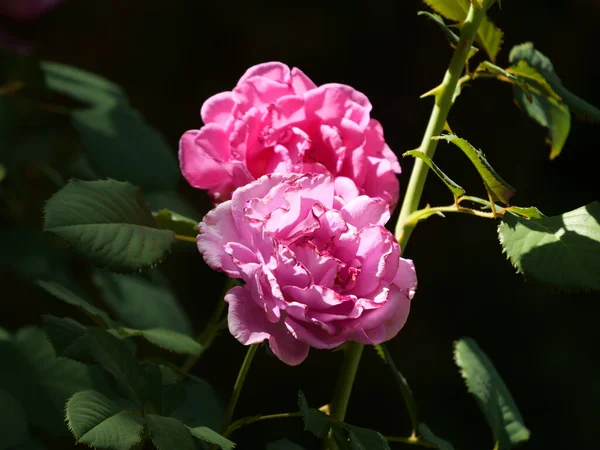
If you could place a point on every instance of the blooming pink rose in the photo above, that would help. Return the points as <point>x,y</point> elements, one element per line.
<point>26,10</point>
<point>314,276</point>
<point>278,120</point>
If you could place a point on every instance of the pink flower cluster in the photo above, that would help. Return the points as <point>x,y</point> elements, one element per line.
<point>305,183</point>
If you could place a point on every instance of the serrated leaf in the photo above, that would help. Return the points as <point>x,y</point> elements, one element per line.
<point>488,35</point>
<point>99,422</point>
<point>541,63</point>
<point>167,339</point>
<point>545,107</point>
<point>168,433</point>
<point>498,188</point>
<point>208,435</point>
<point>456,190</point>
<point>165,392</point>
<point>108,222</point>
<point>561,251</point>
<point>201,407</point>
<point>315,421</point>
<point>63,333</point>
<point>365,439</point>
<point>429,436</point>
<point>116,140</point>
<point>39,380</point>
<point>143,301</point>
<point>491,394</point>
<point>529,212</point>
<point>13,426</point>
<point>448,33</point>
<point>488,67</point>
<point>177,223</point>
<point>69,295</point>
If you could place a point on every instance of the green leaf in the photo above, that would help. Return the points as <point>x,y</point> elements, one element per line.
<point>428,435</point>
<point>70,296</point>
<point>169,434</point>
<point>208,435</point>
<point>541,63</point>
<point>488,35</point>
<point>365,439</point>
<point>529,212</point>
<point>315,421</point>
<point>108,222</point>
<point>201,407</point>
<point>448,33</point>
<point>120,144</point>
<point>165,392</point>
<point>99,422</point>
<point>167,339</point>
<point>545,106</point>
<point>173,202</point>
<point>562,251</point>
<point>143,301</point>
<point>113,356</point>
<point>177,223</point>
<point>456,190</point>
<point>39,380</point>
<point>496,186</point>
<point>13,426</point>
<point>487,66</point>
<point>491,394</point>
<point>63,334</point>
<point>80,85</point>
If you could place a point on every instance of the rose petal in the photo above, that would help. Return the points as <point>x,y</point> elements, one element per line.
<point>247,322</point>
<point>364,210</point>
<point>218,109</point>
<point>287,348</point>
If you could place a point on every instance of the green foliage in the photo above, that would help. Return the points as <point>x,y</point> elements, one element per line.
<point>496,186</point>
<point>115,137</point>
<point>456,190</point>
<point>109,223</point>
<point>167,339</point>
<point>488,35</point>
<point>491,394</point>
<point>71,296</point>
<point>488,67</point>
<point>208,435</point>
<point>551,103</point>
<point>39,380</point>
<point>177,223</point>
<point>168,433</point>
<point>429,436</point>
<point>13,426</point>
<point>365,439</point>
<point>143,301</point>
<point>99,422</point>
<point>202,406</point>
<point>530,212</point>
<point>448,33</point>
<point>562,251</point>
<point>315,421</point>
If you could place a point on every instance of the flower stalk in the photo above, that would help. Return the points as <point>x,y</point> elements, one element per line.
<point>444,94</point>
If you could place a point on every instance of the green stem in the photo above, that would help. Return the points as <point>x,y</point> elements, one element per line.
<point>239,383</point>
<point>443,103</point>
<point>248,420</point>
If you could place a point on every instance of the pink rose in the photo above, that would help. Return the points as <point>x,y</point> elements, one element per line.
<point>26,10</point>
<point>278,120</point>
<point>314,276</point>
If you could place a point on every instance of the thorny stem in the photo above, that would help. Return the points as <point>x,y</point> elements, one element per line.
<point>443,103</point>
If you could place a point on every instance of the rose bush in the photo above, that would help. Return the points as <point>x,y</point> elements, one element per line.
<point>278,120</point>
<point>314,276</point>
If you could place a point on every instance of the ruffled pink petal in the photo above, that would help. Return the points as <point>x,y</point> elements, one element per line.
<point>406,277</point>
<point>218,109</point>
<point>273,70</point>
<point>247,322</point>
<point>300,82</point>
<point>381,181</point>
<point>313,334</point>
<point>332,102</point>
<point>345,190</point>
<point>258,92</point>
<point>287,348</point>
<point>364,210</point>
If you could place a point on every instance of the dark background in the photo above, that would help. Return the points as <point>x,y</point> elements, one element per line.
<point>170,55</point>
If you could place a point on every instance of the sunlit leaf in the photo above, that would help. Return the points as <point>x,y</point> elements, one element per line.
<point>98,421</point>
<point>499,188</point>
<point>529,212</point>
<point>108,222</point>
<point>177,223</point>
<point>488,67</point>
<point>456,190</point>
<point>315,421</point>
<point>561,251</point>
<point>491,394</point>
<point>488,35</point>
